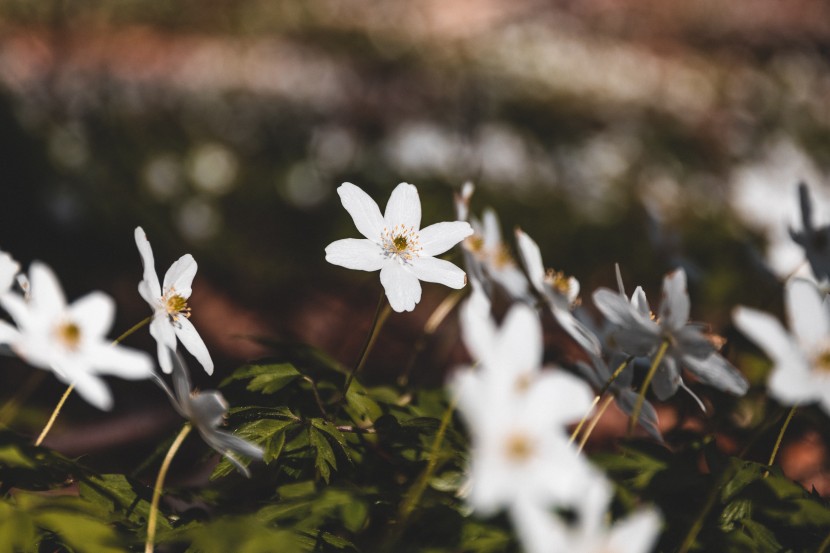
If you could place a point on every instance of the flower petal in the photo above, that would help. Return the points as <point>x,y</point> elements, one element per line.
<point>88,385</point>
<point>8,270</point>
<point>478,329</point>
<point>148,263</point>
<point>674,305</point>
<point>717,372</point>
<point>402,287</point>
<point>766,331</point>
<point>179,277</point>
<point>94,314</point>
<point>438,238</point>
<point>519,343</point>
<point>363,209</point>
<point>667,380</point>
<point>637,533</point>
<point>120,361</point>
<point>207,409</point>
<point>531,258</point>
<point>355,253</point>
<point>19,310</point>
<point>47,296</point>
<point>806,315</point>
<point>431,269</point>
<point>791,381</point>
<point>403,207</point>
<point>557,398</point>
<point>194,344</point>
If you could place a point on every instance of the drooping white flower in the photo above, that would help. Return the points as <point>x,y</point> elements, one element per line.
<point>516,414</point>
<point>69,340</point>
<point>559,292</point>
<point>396,244</point>
<point>801,370</point>
<point>206,410</point>
<point>638,332</point>
<point>171,313</point>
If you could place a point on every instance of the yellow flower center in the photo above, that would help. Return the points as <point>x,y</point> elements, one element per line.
<point>401,243</point>
<point>559,281</point>
<point>518,448</point>
<point>176,305</point>
<point>822,361</point>
<point>69,335</point>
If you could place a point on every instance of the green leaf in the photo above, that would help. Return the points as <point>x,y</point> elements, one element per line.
<point>242,535</point>
<point>115,494</point>
<point>267,379</point>
<point>17,529</point>
<point>269,433</point>
<point>325,460</point>
<point>12,456</point>
<point>360,405</point>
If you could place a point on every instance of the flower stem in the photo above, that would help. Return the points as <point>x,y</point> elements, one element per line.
<point>638,407</point>
<point>54,416</point>
<point>778,440</point>
<point>604,389</point>
<point>381,313</point>
<point>165,465</point>
<point>606,404</point>
<point>414,496</point>
<point>132,329</point>
<point>71,387</point>
<point>824,545</point>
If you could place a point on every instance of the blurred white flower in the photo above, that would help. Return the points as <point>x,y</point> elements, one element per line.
<point>488,257</point>
<point>69,340</point>
<point>9,268</point>
<point>801,371</point>
<point>639,332</point>
<point>206,410</point>
<point>169,303</point>
<point>516,414</point>
<point>396,245</point>
<point>543,532</point>
<point>559,292</point>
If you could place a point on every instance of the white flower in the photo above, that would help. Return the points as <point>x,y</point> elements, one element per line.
<point>169,303</point>
<point>542,532</point>
<point>801,371</point>
<point>8,271</point>
<point>207,410</point>
<point>639,333</point>
<point>559,292</point>
<point>70,340</point>
<point>516,414</point>
<point>396,245</point>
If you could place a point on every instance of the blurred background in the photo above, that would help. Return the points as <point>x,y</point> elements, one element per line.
<point>653,134</point>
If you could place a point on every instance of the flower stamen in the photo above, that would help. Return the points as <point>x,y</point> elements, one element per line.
<point>518,448</point>
<point>401,243</point>
<point>69,334</point>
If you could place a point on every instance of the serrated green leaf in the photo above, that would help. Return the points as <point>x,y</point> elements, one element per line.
<point>265,378</point>
<point>360,405</point>
<point>324,460</point>
<point>744,473</point>
<point>330,430</point>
